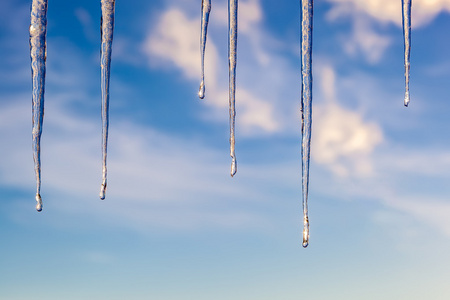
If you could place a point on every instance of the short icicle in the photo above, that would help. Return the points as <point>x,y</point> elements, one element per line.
<point>38,53</point>
<point>206,9</point>
<point>406,10</point>
<point>107,28</point>
<point>307,24</point>
<point>232,47</point>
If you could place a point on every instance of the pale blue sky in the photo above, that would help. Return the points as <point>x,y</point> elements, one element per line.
<point>174,224</point>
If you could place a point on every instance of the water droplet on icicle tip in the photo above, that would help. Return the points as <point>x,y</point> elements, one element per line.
<point>201,90</point>
<point>305,232</point>
<point>407,99</point>
<point>39,202</point>
<point>233,166</point>
<point>102,191</point>
<point>406,20</point>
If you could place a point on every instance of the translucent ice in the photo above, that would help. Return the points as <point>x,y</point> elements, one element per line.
<point>107,29</point>
<point>406,9</point>
<point>206,9</point>
<point>306,51</point>
<point>38,53</point>
<point>232,47</point>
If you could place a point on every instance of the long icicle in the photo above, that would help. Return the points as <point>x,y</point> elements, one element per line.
<point>107,29</point>
<point>38,53</point>
<point>307,24</point>
<point>406,21</point>
<point>206,9</point>
<point>232,47</point>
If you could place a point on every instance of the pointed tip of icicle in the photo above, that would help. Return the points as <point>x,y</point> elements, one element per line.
<point>305,232</point>
<point>39,202</point>
<point>407,99</point>
<point>103,191</point>
<point>233,166</point>
<point>201,90</point>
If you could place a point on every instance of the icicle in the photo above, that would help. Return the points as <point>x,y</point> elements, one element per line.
<point>38,53</point>
<point>107,28</point>
<point>232,46</point>
<point>206,9</point>
<point>307,19</point>
<point>406,10</point>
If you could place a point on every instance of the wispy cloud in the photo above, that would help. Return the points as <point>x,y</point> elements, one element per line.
<point>387,11</point>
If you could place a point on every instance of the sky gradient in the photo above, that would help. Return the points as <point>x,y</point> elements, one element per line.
<point>174,224</point>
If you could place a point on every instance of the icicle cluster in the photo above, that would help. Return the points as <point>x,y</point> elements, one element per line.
<point>232,54</point>
<point>38,53</point>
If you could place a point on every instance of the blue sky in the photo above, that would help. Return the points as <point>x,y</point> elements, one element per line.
<point>174,224</point>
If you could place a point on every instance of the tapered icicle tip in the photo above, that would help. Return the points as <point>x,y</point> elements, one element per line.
<point>233,166</point>
<point>103,191</point>
<point>305,232</point>
<point>39,202</point>
<point>201,90</point>
<point>407,99</point>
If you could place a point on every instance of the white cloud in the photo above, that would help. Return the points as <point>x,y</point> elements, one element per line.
<point>343,141</point>
<point>87,23</point>
<point>365,40</point>
<point>388,11</point>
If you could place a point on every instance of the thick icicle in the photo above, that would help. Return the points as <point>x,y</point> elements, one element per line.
<point>38,53</point>
<point>406,10</point>
<point>307,24</point>
<point>206,9</point>
<point>107,28</point>
<point>232,47</point>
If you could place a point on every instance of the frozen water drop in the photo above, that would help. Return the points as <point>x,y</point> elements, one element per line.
<point>233,166</point>
<point>33,30</point>
<point>201,90</point>
<point>39,202</point>
<point>103,191</point>
<point>305,242</point>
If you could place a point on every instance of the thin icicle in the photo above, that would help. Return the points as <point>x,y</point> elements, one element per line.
<point>406,10</point>
<point>206,9</point>
<point>232,47</point>
<point>107,29</point>
<point>38,53</point>
<point>307,24</point>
